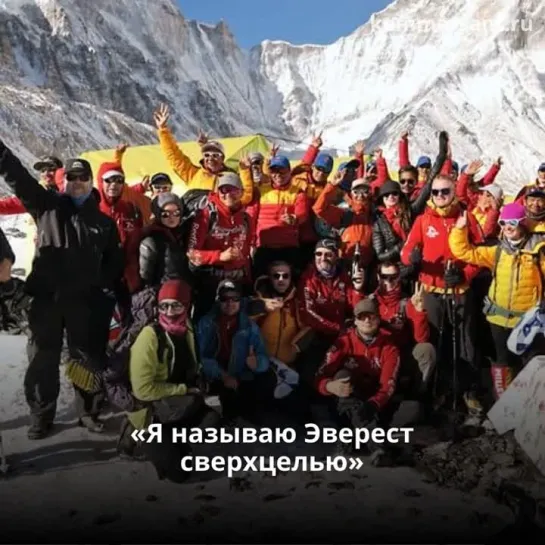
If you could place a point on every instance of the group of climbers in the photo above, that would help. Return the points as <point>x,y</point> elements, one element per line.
<point>348,282</point>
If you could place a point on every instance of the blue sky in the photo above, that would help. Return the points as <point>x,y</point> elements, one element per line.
<point>296,21</point>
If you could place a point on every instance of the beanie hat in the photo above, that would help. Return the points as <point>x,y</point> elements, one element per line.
<point>513,211</point>
<point>214,146</point>
<point>162,200</point>
<point>175,289</point>
<point>389,186</point>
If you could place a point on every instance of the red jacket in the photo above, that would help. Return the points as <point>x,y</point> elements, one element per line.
<point>326,302</point>
<point>10,206</point>
<point>373,366</point>
<point>130,222</point>
<point>466,194</point>
<point>231,229</point>
<point>430,232</point>
<point>407,326</point>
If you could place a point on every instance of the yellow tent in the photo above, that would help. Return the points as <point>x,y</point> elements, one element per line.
<point>141,160</point>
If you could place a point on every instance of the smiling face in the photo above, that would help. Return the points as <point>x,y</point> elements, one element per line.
<point>541,178</point>
<point>407,182</point>
<point>442,192</point>
<point>78,185</point>
<point>320,175</point>
<point>230,196</point>
<point>213,161</point>
<point>512,230</point>
<point>535,205</point>
<point>367,323</point>
<point>280,176</point>
<point>113,187</point>
<point>391,199</point>
<point>325,260</point>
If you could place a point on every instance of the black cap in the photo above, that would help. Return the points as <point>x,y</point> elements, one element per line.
<point>49,162</point>
<point>78,166</point>
<point>160,179</point>
<point>228,285</point>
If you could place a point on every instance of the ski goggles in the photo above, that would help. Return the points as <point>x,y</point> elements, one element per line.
<point>362,190</point>
<point>509,223</point>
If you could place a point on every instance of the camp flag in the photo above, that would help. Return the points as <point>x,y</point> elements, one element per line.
<point>141,160</point>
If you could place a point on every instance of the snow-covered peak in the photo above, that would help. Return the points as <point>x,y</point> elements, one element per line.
<point>474,67</point>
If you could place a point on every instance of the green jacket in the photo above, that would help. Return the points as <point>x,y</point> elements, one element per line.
<point>149,374</point>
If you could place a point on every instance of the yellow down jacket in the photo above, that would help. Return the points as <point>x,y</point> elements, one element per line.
<point>517,274</point>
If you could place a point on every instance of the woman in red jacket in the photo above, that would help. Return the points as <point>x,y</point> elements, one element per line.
<point>219,242</point>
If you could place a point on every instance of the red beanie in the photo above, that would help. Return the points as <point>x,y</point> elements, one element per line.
<point>175,289</point>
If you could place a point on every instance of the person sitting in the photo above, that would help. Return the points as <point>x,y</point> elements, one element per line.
<point>360,370</point>
<point>164,375</point>
<point>407,321</point>
<point>162,252</point>
<point>233,356</point>
<point>328,296</point>
<point>14,301</point>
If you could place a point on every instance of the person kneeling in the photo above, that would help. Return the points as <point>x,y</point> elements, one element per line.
<point>164,375</point>
<point>234,357</point>
<point>360,370</point>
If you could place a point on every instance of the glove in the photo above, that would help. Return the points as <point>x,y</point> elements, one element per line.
<point>453,276</point>
<point>368,412</point>
<point>416,257</point>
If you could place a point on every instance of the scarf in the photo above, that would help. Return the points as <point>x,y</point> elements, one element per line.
<point>174,325</point>
<point>394,216</point>
<point>80,201</point>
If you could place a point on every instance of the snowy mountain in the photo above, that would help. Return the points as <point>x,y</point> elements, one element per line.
<point>78,75</point>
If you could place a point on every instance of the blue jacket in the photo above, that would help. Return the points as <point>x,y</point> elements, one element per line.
<point>247,335</point>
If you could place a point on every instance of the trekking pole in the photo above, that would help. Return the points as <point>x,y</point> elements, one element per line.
<point>454,354</point>
<point>439,345</point>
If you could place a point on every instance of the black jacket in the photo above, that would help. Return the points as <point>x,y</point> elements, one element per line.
<point>77,249</point>
<point>14,305</point>
<point>6,251</point>
<point>161,256</point>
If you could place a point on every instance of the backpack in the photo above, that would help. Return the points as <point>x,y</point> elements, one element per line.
<point>117,384</point>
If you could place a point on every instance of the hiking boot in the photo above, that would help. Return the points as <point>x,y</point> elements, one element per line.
<point>39,430</point>
<point>92,423</point>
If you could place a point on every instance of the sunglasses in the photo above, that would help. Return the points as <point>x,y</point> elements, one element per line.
<point>389,277</point>
<point>361,191</point>
<point>510,223</point>
<point>365,316</point>
<point>170,214</point>
<point>212,155</point>
<point>331,255</point>
<point>161,188</point>
<point>407,181</point>
<point>444,192</point>
<point>281,276</point>
<point>425,166</point>
<point>115,180</point>
<point>322,169</point>
<point>175,306</point>
<point>230,299</point>
<point>78,177</point>
<point>48,170</point>
<point>228,189</point>
<point>394,194</point>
